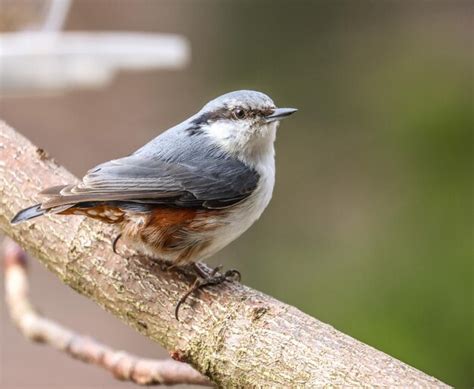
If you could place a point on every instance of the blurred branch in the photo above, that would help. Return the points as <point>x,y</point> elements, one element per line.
<point>84,59</point>
<point>39,329</point>
<point>237,336</point>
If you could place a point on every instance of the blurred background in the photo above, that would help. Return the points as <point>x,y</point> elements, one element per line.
<point>370,226</point>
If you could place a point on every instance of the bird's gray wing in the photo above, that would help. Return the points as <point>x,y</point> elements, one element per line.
<point>212,182</point>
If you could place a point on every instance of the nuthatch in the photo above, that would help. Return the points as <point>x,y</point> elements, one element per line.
<point>190,191</point>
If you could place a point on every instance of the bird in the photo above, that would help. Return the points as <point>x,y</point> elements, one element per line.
<point>187,193</point>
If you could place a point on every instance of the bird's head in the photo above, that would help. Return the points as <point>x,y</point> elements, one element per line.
<point>243,123</point>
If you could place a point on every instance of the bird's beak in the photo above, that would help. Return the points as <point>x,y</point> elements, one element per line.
<point>280,113</point>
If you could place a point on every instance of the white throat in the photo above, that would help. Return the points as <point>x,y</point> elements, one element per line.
<point>258,153</point>
<point>254,147</point>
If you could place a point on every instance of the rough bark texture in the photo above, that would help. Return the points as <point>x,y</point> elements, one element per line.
<point>37,328</point>
<point>237,336</point>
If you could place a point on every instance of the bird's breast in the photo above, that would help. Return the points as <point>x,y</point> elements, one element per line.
<point>241,216</point>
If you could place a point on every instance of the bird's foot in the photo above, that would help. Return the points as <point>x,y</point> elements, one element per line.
<point>205,279</point>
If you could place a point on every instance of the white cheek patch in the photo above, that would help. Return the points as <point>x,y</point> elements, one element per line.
<point>228,134</point>
<point>241,140</point>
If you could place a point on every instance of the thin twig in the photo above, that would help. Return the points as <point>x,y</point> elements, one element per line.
<point>122,365</point>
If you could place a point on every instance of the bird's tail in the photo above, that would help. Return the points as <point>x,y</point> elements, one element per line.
<point>28,213</point>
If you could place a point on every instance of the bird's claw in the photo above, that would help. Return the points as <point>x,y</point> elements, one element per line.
<point>114,243</point>
<point>209,280</point>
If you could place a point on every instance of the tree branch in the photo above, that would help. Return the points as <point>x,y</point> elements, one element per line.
<point>33,326</point>
<point>237,336</point>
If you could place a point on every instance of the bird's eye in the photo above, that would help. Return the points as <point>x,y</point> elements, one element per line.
<point>238,113</point>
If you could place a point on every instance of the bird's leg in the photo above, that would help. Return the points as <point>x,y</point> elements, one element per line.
<point>229,275</point>
<point>204,279</point>
<point>202,272</point>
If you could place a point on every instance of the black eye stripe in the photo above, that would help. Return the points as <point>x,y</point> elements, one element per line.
<point>212,116</point>
<point>226,113</point>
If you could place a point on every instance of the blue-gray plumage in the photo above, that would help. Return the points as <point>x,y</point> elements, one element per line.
<point>210,181</point>
<point>191,190</point>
